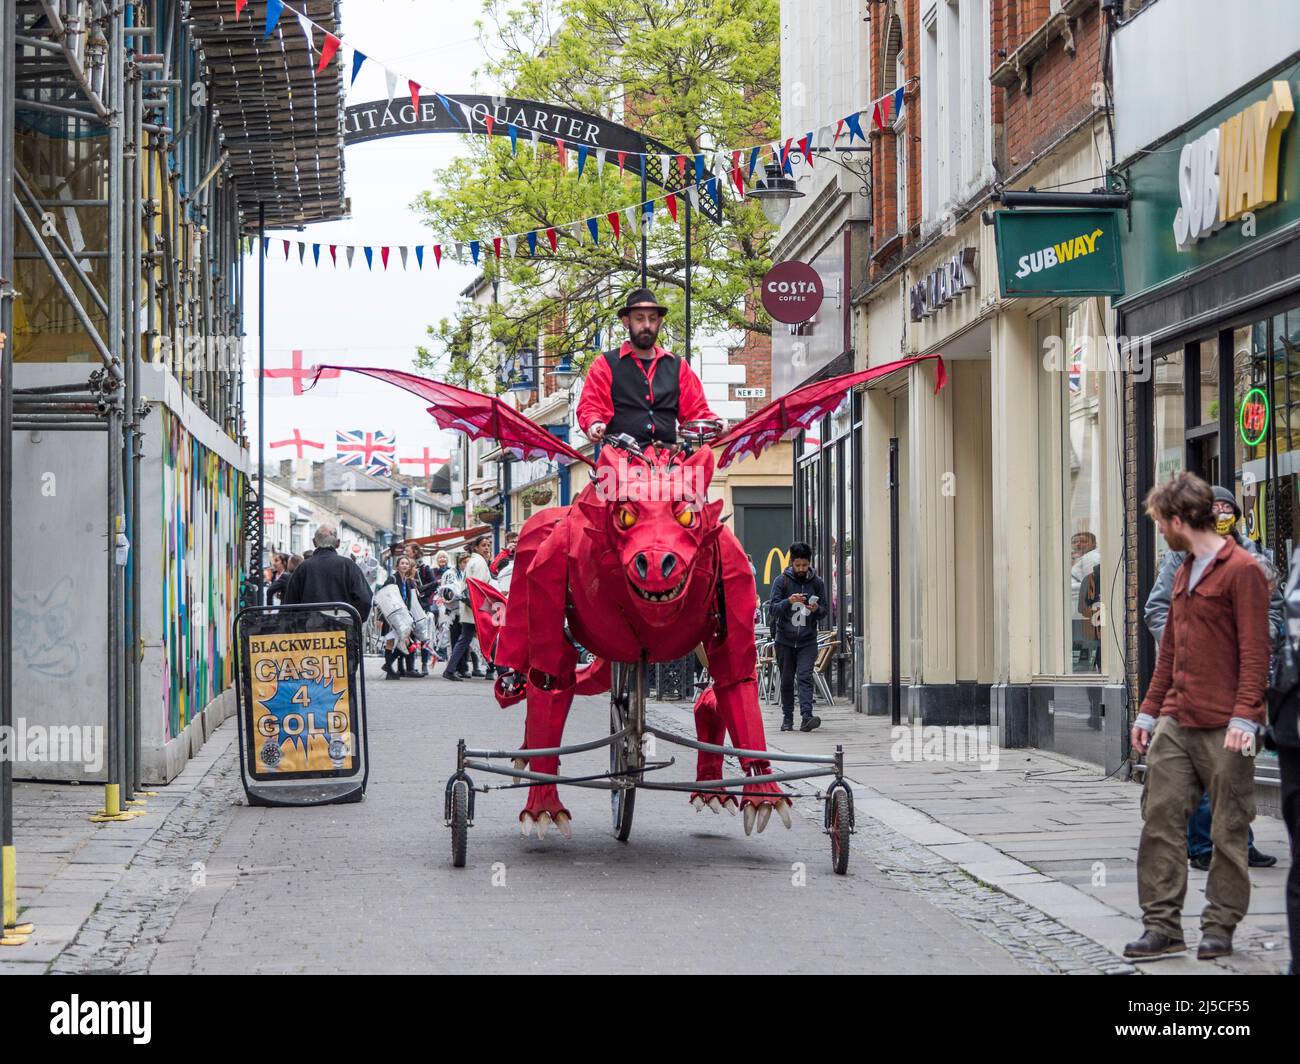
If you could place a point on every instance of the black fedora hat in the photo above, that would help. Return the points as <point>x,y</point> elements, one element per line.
<point>641,299</point>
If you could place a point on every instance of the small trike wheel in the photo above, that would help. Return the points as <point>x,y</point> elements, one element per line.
<point>839,828</point>
<point>459,822</point>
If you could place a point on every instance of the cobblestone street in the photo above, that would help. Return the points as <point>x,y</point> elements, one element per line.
<point>223,887</point>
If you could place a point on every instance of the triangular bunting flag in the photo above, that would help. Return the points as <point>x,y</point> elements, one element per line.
<point>512,242</point>
<point>351,251</point>
<point>419,256</point>
<point>304,24</point>
<point>593,227</point>
<point>302,253</point>
<point>370,256</point>
<point>839,128</point>
<point>383,255</point>
<point>446,106</point>
<point>415,95</point>
<point>473,251</point>
<point>437,255</point>
<point>631,214</point>
<point>535,141</point>
<point>738,173</point>
<point>239,8</point>
<point>496,247</point>
<point>875,116</point>
<point>805,146</point>
<point>699,168</point>
<point>582,158</point>
<point>552,238</point>
<point>532,243</point>
<point>714,193</point>
<point>564,155</point>
<point>286,251</point>
<point>671,202</point>
<point>898,100</point>
<point>753,161</point>
<point>513,130</point>
<point>854,122</point>
<point>402,251</point>
<point>693,196</point>
<point>614,224</point>
<point>681,167</point>
<point>622,160</point>
<point>390,80</point>
<point>665,163</point>
<point>600,164</point>
<point>357,59</point>
<point>274,9</point>
<point>334,255</point>
<point>489,122</point>
<point>315,254</point>
<point>328,50</point>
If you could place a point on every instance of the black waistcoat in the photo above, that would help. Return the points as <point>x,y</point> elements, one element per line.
<point>646,411</point>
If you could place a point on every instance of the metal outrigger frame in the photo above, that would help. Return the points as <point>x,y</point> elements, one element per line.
<point>629,770</point>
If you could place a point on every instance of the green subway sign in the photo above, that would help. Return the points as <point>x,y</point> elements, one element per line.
<point>1059,252</point>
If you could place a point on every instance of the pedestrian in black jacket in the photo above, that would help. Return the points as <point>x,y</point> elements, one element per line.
<point>327,576</point>
<point>795,610</point>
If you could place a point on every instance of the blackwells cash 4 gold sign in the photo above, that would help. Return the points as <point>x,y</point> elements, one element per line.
<point>302,719</point>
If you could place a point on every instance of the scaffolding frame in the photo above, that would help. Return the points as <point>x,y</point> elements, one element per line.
<point>187,126</point>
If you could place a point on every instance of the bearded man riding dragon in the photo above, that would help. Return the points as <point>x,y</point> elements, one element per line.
<point>640,565</point>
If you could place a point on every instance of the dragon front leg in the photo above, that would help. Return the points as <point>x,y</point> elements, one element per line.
<point>733,661</point>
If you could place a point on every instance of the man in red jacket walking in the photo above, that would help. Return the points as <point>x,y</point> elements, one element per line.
<point>1199,724</point>
<point>641,390</point>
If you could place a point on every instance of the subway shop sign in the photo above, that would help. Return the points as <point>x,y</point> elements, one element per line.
<point>1066,252</point>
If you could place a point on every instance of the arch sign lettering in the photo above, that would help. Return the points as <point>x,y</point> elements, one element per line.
<point>496,115</point>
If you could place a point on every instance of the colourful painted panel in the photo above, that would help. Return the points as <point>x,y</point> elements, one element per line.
<point>202,533</point>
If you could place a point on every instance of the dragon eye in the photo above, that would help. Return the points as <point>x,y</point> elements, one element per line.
<point>625,517</point>
<point>686,518</point>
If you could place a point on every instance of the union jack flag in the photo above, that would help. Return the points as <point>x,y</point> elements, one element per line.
<point>374,452</point>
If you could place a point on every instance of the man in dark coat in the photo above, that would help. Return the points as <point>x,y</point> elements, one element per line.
<point>327,576</point>
<point>796,608</point>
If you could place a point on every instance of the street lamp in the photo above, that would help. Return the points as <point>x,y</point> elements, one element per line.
<point>404,510</point>
<point>775,192</point>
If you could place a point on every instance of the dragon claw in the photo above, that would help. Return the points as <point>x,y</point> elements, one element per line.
<point>526,824</point>
<point>543,822</point>
<point>697,803</point>
<point>783,811</point>
<point>562,822</point>
<point>751,811</point>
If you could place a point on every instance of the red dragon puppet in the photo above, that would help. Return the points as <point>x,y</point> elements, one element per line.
<point>641,564</point>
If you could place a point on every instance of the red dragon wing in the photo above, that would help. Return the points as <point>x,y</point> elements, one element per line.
<point>478,416</point>
<point>799,409</point>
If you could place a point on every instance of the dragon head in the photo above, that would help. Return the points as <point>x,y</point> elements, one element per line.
<point>653,510</point>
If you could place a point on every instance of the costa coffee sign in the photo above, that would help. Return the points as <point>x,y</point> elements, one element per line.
<point>792,292</point>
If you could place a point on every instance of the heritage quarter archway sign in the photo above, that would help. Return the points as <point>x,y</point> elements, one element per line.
<point>378,119</point>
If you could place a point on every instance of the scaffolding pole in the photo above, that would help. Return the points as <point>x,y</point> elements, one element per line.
<point>8,853</point>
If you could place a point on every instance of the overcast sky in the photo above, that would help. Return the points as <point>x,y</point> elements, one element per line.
<point>358,316</point>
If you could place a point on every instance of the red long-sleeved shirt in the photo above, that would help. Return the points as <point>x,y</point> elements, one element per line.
<point>597,403</point>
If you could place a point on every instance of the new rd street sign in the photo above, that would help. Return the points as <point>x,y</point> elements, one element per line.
<point>1060,252</point>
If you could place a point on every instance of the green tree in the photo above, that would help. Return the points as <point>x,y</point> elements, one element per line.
<point>696,75</point>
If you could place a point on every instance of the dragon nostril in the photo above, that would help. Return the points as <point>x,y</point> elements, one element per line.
<point>668,565</point>
<point>641,565</point>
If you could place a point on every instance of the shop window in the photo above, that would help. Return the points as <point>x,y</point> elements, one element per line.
<point>1170,432</point>
<point>1250,414</point>
<point>1071,461</point>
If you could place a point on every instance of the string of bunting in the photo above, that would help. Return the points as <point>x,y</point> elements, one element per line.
<point>333,46</point>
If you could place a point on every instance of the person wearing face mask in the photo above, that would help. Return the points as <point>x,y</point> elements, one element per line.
<point>1200,849</point>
